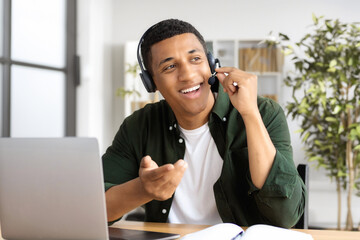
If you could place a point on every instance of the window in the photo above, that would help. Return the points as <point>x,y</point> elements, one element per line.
<point>39,68</point>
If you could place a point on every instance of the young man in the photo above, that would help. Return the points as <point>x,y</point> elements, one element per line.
<point>200,156</point>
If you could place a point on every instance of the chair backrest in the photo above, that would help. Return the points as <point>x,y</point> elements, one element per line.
<point>303,170</point>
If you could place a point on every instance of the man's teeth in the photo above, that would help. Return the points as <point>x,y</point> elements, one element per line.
<point>191,89</point>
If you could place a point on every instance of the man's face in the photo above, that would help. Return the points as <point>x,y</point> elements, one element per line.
<point>181,72</point>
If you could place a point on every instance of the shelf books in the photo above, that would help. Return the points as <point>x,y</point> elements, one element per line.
<point>271,96</point>
<point>261,59</point>
<point>230,231</point>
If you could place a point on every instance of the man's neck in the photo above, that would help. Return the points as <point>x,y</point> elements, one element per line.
<point>191,121</point>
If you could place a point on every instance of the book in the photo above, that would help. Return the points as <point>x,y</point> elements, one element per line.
<point>230,231</point>
<point>271,96</point>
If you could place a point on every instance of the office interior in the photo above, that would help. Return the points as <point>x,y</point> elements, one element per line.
<point>102,29</point>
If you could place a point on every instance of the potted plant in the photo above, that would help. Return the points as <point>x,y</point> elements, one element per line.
<point>326,98</point>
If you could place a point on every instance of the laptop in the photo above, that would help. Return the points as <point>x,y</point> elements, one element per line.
<point>52,188</point>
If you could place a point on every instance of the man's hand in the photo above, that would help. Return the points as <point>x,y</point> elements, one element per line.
<point>242,90</point>
<point>243,95</point>
<point>160,182</point>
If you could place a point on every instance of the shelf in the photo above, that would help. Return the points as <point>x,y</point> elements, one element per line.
<point>254,57</point>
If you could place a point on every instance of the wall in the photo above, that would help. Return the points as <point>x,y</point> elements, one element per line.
<point>95,94</point>
<point>105,26</point>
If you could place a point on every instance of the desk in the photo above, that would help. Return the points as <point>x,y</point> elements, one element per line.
<point>184,229</point>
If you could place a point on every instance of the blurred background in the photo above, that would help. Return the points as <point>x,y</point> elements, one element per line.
<point>63,63</point>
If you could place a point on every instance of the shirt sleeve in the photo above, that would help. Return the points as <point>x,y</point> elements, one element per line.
<point>120,164</point>
<point>281,200</point>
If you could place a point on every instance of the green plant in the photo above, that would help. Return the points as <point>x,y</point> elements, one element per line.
<point>122,92</point>
<point>134,71</point>
<point>326,98</point>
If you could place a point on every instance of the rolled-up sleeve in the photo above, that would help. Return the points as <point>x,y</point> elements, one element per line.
<point>281,200</point>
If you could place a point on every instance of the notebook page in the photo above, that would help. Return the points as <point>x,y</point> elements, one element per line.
<point>267,232</point>
<point>224,231</point>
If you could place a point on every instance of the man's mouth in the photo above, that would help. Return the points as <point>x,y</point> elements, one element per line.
<point>192,89</point>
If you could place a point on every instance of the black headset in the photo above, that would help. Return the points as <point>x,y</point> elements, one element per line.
<point>149,82</point>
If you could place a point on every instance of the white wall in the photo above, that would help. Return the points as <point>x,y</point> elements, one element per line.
<point>95,95</point>
<point>105,26</point>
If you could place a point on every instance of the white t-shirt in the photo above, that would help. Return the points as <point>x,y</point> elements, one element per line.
<point>194,201</point>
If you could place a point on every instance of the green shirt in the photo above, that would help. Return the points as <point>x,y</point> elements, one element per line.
<point>153,131</point>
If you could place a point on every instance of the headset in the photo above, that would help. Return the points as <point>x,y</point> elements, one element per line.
<point>149,82</point>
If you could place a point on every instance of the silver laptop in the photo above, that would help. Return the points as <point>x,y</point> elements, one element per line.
<point>51,189</point>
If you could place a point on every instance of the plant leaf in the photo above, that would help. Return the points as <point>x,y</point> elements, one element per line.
<point>331,119</point>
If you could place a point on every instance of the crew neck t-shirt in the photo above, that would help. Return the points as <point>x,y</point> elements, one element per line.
<point>194,201</point>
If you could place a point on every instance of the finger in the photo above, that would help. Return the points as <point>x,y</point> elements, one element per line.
<point>221,77</point>
<point>180,164</point>
<point>225,69</point>
<point>177,172</point>
<point>147,162</point>
<point>227,83</point>
<point>157,173</point>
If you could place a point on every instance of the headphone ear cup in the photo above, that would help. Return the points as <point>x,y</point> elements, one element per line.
<point>148,81</point>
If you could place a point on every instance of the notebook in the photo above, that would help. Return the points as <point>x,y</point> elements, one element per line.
<point>52,188</point>
<point>230,231</point>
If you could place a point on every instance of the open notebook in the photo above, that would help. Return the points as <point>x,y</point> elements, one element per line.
<point>52,188</point>
<point>229,231</point>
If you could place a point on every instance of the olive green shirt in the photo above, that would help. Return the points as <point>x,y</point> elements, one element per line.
<point>153,131</point>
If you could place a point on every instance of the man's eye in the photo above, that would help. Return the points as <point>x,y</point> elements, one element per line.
<point>195,59</point>
<point>169,67</point>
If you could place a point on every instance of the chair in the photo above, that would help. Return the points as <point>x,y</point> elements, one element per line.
<point>303,170</point>
<point>138,214</point>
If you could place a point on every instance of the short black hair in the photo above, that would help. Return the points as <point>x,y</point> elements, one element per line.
<point>164,30</point>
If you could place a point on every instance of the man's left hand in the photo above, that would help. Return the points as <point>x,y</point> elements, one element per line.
<point>241,88</point>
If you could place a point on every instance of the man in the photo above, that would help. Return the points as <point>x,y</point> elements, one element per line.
<point>200,156</point>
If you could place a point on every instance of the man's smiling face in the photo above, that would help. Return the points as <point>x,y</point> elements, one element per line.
<point>181,72</point>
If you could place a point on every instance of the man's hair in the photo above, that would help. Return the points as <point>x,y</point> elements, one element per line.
<point>164,30</point>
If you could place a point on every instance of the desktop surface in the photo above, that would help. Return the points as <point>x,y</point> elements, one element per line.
<point>183,229</point>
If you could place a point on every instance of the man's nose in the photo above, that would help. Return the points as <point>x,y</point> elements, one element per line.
<point>186,72</point>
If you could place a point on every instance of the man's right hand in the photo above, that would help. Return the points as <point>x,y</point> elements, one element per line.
<point>161,182</point>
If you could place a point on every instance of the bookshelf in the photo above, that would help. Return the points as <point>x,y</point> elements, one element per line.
<point>251,56</point>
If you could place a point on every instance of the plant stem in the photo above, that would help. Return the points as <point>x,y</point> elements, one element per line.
<point>338,190</point>
<point>349,220</point>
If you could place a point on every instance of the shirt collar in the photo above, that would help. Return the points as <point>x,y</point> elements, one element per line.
<point>222,103</point>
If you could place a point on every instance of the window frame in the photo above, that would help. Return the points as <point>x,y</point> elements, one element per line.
<point>71,69</point>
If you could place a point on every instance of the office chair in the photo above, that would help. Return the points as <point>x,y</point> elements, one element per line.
<point>137,214</point>
<point>303,170</point>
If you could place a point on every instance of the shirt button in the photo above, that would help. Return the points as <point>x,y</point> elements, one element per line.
<point>170,128</point>
<point>224,119</point>
<point>181,140</point>
<point>164,211</point>
<point>174,125</point>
